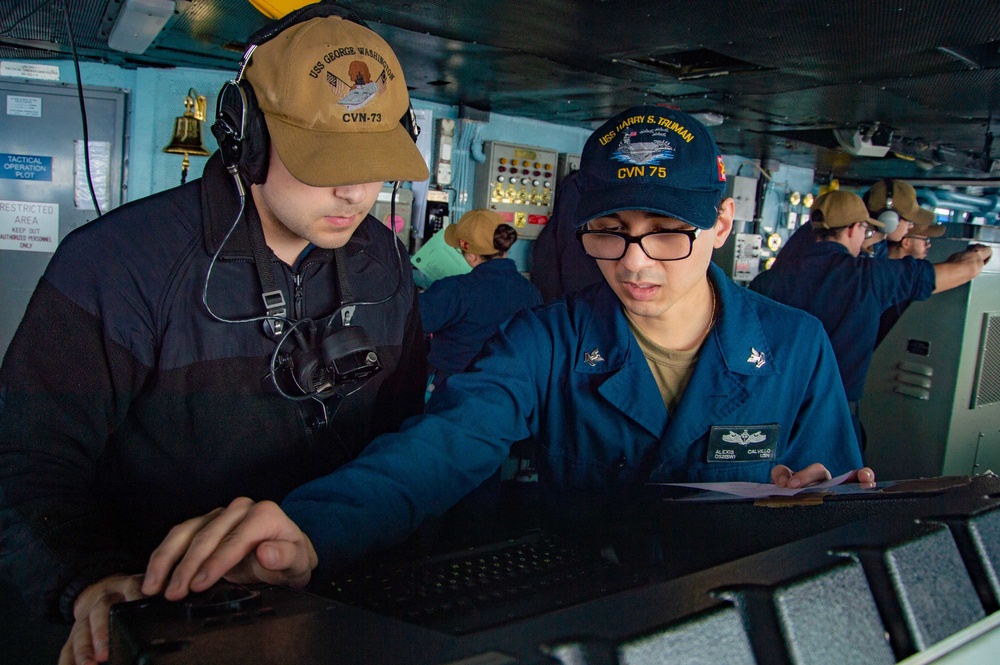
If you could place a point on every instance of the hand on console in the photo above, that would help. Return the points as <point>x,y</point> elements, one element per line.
<point>88,639</point>
<point>244,542</point>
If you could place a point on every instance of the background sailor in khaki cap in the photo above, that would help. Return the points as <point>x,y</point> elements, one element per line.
<point>894,204</point>
<point>847,294</point>
<point>916,242</point>
<point>461,312</point>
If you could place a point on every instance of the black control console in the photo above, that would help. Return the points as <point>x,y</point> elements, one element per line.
<point>874,578</point>
<point>195,629</point>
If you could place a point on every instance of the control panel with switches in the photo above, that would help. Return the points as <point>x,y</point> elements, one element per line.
<point>519,183</point>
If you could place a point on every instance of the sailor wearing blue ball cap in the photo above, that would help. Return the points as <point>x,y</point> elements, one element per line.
<point>667,371</point>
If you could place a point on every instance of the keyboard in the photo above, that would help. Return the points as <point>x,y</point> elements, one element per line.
<point>483,587</point>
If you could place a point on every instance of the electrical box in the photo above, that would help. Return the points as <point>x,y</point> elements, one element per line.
<point>519,183</point>
<point>404,211</point>
<point>743,191</point>
<point>566,165</point>
<point>740,256</point>
<point>442,161</point>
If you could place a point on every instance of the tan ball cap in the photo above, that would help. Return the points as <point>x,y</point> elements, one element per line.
<point>904,201</point>
<point>333,94</point>
<point>474,232</point>
<point>926,230</point>
<point>838,209</point>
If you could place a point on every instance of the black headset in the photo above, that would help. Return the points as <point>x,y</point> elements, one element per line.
<point>321,359</point>
<point>239,125</point>
<point>887,215</point>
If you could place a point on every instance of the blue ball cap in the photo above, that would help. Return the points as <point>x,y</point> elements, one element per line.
<point>655,159</point>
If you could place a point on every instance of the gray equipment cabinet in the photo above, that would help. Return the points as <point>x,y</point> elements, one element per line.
<point>932,399</point>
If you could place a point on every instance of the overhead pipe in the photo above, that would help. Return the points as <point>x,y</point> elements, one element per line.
<point>984,203</point>
<point>937,201</point>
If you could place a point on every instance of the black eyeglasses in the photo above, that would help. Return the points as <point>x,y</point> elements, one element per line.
<point>666,245</point>
<point>869,231</point>
<point>924,238</point>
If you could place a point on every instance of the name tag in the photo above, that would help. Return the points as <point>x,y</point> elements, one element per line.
<point>742,443</point>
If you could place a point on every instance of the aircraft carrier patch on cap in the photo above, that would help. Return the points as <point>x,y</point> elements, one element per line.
<point>742,443</point>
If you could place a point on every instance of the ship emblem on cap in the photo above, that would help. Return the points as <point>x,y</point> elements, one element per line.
<point>756,357</point>
<point>360,90</point>
<point>644,146</point>
<point>593,358</point>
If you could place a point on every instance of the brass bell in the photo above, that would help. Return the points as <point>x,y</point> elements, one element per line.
<point>187,131</point>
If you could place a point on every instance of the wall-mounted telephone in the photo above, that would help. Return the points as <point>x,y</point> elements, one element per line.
<point>437,212</point>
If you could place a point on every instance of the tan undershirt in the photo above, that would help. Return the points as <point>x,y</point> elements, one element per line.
<point>671,369</point>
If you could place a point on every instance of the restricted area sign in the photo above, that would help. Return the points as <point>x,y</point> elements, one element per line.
<point>29,226</point>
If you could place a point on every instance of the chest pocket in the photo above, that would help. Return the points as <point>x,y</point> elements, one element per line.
<point>724,472</point>
<point>600,462</point>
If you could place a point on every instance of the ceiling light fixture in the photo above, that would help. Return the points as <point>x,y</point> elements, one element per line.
<point>138,24</point>
<point>871,141</point>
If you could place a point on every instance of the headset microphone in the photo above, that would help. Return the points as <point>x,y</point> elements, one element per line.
<point>324,363</point>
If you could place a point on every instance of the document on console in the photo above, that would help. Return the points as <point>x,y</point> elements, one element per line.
<point>760,490</point>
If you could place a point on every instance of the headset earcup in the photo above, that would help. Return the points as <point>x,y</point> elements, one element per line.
<point>256,149</point>
<point>890,221</point>
<point>227,126</point>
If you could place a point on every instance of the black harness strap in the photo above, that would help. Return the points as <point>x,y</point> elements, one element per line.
<point>273,297</point>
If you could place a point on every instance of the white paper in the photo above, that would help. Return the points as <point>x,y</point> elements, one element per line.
<point>759,490</point>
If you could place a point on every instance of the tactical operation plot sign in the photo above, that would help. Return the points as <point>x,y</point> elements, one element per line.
<point>25,167</point>
<point>28,226</point>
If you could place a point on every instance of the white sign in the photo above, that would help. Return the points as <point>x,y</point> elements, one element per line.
<point>28,226</point>
<point>27,70</point>
<point>30,107</point>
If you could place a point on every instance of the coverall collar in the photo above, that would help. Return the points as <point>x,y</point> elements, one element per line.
<point>736,344</point>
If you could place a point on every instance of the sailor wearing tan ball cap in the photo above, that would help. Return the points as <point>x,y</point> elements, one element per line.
<point>849,295</point>
<point>240,335</point>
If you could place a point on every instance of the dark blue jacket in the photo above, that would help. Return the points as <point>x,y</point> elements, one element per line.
<point>462,312</point>
<point>571,376</point>
<point>800,239</point>
<point>848,295</point>
<point>803,237</point>
<point>558,262</point>
<point>125,408</point>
